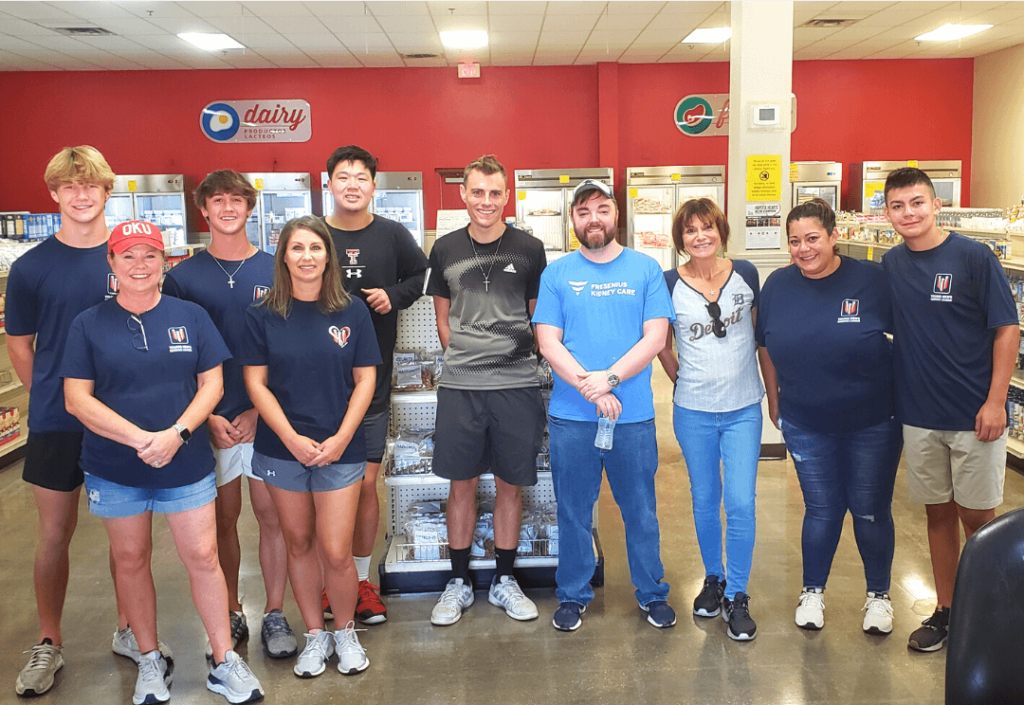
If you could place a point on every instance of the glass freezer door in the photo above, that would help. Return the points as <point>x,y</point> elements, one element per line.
<point>167,212</point>
<point>542,210</point>
<point>278,208</point>
<point>805,192</point>
<point>118,210</point>
<point>403,207</point>
<point>328,203</point>
<point>651,226</point>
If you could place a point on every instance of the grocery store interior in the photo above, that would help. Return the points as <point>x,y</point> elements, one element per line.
<point>560,92</point>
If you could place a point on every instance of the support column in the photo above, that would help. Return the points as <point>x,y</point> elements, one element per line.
<point>760,74</point>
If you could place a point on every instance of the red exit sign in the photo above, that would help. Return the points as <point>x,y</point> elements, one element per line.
<point>469,70</point>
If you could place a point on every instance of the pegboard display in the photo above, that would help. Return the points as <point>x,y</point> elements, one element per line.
<point>412,410</point>
<point>417,326</point>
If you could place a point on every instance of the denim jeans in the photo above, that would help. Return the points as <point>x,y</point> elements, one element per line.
<point>721,451</point>
<point>576,467</point>
<point>847,471</point>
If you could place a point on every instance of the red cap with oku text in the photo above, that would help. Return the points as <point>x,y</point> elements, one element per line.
<point>134,232</point>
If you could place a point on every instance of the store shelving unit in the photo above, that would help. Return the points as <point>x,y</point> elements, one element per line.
<point>417,567</point>
<point>12,394</point>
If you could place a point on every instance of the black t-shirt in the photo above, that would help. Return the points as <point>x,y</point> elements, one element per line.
<point>383,255</point>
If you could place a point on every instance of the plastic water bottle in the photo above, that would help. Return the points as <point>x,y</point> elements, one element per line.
<point>605,433</point>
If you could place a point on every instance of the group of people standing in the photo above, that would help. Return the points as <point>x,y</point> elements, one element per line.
<point>278,367</point>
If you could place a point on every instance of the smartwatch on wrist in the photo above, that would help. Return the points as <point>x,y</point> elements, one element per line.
<point>183,433</point>
<point>613,379</point>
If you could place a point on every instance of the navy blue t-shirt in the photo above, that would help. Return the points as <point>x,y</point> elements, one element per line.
<point>47,288</point>
<point>947,303</point>
<point>309,358</point>
<point>200,280</point>
<point>826,338</point>
<point>151,388</point>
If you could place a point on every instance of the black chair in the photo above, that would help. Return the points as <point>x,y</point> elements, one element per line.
<point>985,663</point>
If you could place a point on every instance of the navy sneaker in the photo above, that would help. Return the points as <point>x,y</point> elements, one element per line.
<point>567,616</point>
<point>660,614</point>
<point>708,602</point>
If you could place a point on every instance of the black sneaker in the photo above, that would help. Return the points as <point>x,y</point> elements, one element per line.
<point>736,613</point>
<point>568,616</point>
<point>932,633</point>
<point>708,602</point>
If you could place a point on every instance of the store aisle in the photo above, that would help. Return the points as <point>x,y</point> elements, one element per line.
<point>616,657</point>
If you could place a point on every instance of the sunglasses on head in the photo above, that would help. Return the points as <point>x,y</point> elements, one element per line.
<point>717,326</point>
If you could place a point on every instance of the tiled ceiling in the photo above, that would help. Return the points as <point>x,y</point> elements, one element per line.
<point>34,37</point>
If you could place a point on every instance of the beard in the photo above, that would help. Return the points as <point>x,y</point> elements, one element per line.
<point>588,239</point>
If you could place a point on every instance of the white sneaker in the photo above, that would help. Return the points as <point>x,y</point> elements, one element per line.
<point>151,685</point>
<point>810,613</point>
<point>351,654</point>
<point>878,614</point>
<point>456,597</point>
<point>37,676</point>
<point>506,593</point>
<point>319,648</point>
<point>125,644</point>
<point>234,681</point>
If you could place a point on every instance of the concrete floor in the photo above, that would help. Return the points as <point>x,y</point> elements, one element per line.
<point>616,657</point>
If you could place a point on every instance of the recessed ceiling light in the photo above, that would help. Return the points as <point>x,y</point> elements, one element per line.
<point>210,42</point>
<point>708,35</point>
<point>464,39</point>
<point>949,32</point>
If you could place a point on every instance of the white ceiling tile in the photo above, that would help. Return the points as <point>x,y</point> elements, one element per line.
<point>636,20</point>
<point>130,26</point>
<point>593,56</point>
<point>270,8</point>
<point>21,28</point>
<point>337,61</point>
<point>461,7</point>
<point>569,23</point>
<point>612,40</point>
<point>153,9</point>
<point>640,58</point>
<point>481,55</point>
<point>498,40</point>
<point>203,61</point>
<point>576,7</point>
<point>258,42</point>
<point>92,10</point>
<point>618,7</point>
<point>322,9</point>
<point>314,43</point>
<point>552,61</point>
<point>378,61</point>
<point>295,25</point>
<point>169,45</point>
<point>662,36</point>
<point>296,61</point>
<point>177,25</point>
<point>854,10</point>
<point>114,63</point>
<point>211,8</point>
<point>248,60</point>
<point>473,22</point>
<point>563,40</point>
<point>1010,11</point>
<point>692,8</point>
<point>416,41</point>
<point>803,11</point>
<point>351,24</point>
<point>162,63</point>
<point>515,23</point>
<point>366,42</point>
<point>808,35</point>
<point>405,9</point>
<point>418,23</point>
<point>520,7</point>
<point>35,11</point>
<point>241,26</point>
<point>856,32</point>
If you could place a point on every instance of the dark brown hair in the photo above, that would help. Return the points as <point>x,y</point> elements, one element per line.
<point>486,165</point>
<point>225,181</point>
<point>333,296</point>
<point>819,210</point>
<point>706,211</point>
<point>907,176</point>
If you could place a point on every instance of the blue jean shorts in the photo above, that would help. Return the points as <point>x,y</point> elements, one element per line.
<point>110,500</point>
<point>293,476</point>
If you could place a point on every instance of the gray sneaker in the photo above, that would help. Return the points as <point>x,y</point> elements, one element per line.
<point>234,681</point>
<point>37,676</point>
<point>278,638</point>
<point>506,593</point>
<point>154,677</point>
<point>456,597</point>
<point>239,632</point>
<point>319,648</point>
<point>351,654</point>
<point>125,644</point>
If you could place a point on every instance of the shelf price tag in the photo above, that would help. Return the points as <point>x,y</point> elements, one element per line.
<point>133,185</point>
<point>259,184</point>
<point>521,195</point>
<point>563,178</point>
<point>676,177</point>
<point>871,253</point>
<point>912,163</point>
<point>632,192</point>
<point>793,169</point>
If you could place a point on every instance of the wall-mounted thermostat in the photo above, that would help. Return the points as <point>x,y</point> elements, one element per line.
<point>765,115</point>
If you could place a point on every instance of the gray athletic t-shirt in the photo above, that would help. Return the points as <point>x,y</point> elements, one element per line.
<point>491,342</point>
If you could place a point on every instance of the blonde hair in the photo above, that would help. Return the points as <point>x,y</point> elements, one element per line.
<point>83,164</point>
<point>333,296</point>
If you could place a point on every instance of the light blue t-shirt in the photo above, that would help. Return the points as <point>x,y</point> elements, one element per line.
<point>601,309</point>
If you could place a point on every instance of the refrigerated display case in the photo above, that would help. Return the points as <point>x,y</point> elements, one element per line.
<point>544,198</point>
<point>398,197</point>
<point>816,180</point>
<point>867,182</point>
<point>655,193</point>
<point>280,197</point>
<point>155,198</point>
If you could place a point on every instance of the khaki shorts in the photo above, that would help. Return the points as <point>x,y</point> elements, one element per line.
<point>954,465</point>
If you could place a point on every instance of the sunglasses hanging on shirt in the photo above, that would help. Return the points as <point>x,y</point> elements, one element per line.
<point>717,326</point>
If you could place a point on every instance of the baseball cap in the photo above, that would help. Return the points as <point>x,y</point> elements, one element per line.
<point>134,232</point>
<point>592,185</point>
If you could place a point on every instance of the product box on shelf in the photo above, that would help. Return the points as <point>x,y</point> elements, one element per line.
<point>10,424</point>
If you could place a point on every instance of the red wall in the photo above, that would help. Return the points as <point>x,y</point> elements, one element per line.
<point>422,119</point>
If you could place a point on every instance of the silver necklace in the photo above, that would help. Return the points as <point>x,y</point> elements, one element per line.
<point>487,274</point>
<point>231,275</point>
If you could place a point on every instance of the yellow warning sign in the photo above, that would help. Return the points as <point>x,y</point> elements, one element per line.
<point>133,185</point>
<point>764,177</point>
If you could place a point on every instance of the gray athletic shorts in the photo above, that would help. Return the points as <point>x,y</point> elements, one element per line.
<point>375,426</point>
<point>294,476</point>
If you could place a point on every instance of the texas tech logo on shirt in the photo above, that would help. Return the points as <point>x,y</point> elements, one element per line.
<point>258,292</point>
<point>112,285</point>
<point>179,339</point>
<point>849,311</point>
<point>942,290</point>
<point>354,271</point>
<point>340,335</point>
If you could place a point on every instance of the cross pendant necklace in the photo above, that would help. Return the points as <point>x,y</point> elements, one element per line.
<point>231,275</point>
<point>487,274</point>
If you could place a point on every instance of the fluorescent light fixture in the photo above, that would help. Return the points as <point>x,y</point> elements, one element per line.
<point>708,35</point>
<point>950,32</point>
<point>464,39</point>
<point>210,42</point>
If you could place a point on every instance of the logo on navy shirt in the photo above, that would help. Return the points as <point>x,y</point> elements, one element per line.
<point>340,335</point>
<point>258,292</point>
<point>943,288</point>
<point>179,339</point>
<point>849,311</point>
<point>112,285</point>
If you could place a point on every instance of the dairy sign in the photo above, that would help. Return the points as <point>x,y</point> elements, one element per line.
<point>256,121</point>
<point>703,115</point>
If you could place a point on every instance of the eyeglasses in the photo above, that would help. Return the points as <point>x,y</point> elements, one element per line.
<point>717,327</point>
<point>138,333</point>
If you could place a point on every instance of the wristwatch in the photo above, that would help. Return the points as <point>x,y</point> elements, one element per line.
<point>183,433</point>
<point>613,379</point>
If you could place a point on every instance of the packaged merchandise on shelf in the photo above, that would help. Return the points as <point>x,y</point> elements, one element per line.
<point>1015,400</point>
<point>412,452</point>
<point>29,226</point>
<point>426,533</point>
<point>416,370</point>
<point>10,424</point>
<point>11,250</point>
